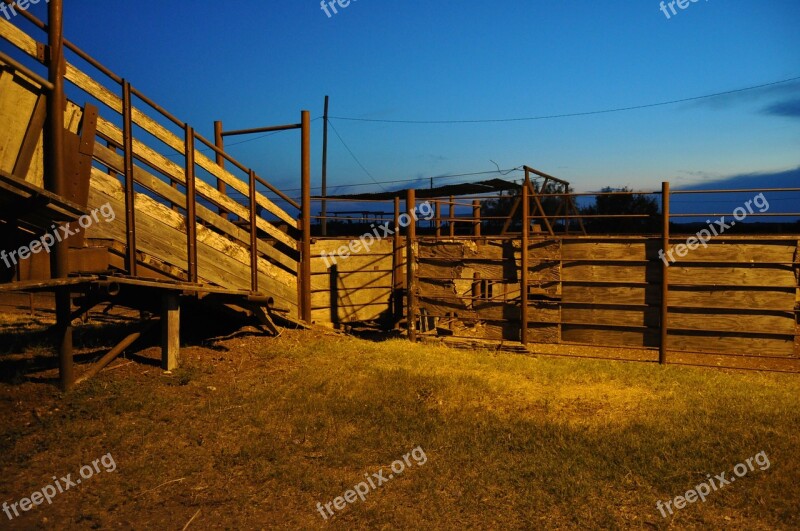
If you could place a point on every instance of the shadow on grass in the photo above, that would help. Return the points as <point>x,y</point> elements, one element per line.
<point>28,344</point>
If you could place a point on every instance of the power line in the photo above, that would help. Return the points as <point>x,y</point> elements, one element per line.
<point>399,181</point>
<point>354,156</point>
<point>573,114</point>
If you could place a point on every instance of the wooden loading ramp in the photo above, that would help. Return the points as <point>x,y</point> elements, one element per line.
<point>152,219</point>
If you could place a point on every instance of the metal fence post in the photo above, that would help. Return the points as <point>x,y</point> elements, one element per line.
<point>662,351</point>
<point>410,269</point>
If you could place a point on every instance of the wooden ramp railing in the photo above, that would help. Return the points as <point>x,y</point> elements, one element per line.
<point>149,168</point>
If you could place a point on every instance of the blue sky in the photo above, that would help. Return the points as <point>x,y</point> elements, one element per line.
<point>254,63</point>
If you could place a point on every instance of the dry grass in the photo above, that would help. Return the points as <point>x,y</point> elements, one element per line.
<point>256,431</point>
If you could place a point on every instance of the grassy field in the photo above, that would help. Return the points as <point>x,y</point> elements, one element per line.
<point>253,433</point>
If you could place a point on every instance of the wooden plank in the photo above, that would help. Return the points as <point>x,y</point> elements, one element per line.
<point>710,297</point>
<point>18,38</point>
<point>16,107</point>
<point>114,161</point>
<point>27,150</point>
<point>161,234</point>
<point>72,119</point>
<point>464,250</point>
<point>733,322</point>
<point>148,266</point>
<point>89,85</point>
<point>620,353</point>
<point>608,250</point>
<point>46,285</point>
<point>581,271</point>
<point>760,250</point>
<point>601,337</point>
<point>380,247</point>
<point>612,316</point>
<point>543,334</point>
<point>490,330</point>
<point>733,276</point>
<point>177,173</point>
<point>170,331</point>
<point>615,294</point>
<point>746,346</point>
<point>484,311</point>
<point>734,362</point>
<point>375,264</point>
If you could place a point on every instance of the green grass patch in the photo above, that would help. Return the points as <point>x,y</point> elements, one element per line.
<point>258,436</point>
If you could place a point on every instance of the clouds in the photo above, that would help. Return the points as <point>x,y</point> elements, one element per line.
<point>781,100</point>
<point>768,179</point>
<point>740,97</point>
<point>789,108</point>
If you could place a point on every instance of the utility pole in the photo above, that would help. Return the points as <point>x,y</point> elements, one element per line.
<point>324,213</point>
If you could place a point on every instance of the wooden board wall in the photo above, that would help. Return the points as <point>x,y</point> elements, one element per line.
<point>19,97</point>
<point>352,289</point>
<point>735,298</point>
<point>161,238</point>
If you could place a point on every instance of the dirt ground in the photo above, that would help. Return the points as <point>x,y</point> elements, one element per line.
<point>252,432</point>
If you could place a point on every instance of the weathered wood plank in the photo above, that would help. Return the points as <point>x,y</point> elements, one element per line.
<point>581,271</point>
<point>744,253</point>
<point>612,316</point>
<point>89,85</point>
<point>605,294</point>
<point>465,250</point>
<point>18,38</point>
<point>600,337</point>
<point>734,362</point>
<point>161,234</point>
<point>170,331</point>
<point>741,322</point>
<point>176,173</point>
<point>779,276</point>
<point>752,347</point>
<point>710,297</point>
<point>16,107</point>
<point>114,161</point>
<point>604,250</point>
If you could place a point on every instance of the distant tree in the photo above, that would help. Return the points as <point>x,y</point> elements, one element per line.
<point>625,203</point>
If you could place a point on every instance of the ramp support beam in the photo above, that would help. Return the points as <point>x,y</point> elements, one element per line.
<point>170,331</point>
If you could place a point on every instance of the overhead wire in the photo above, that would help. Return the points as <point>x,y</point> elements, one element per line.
<point>571,114</point>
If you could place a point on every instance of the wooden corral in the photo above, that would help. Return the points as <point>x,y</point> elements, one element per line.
<point>734,300</point>
<point>178,223</point>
